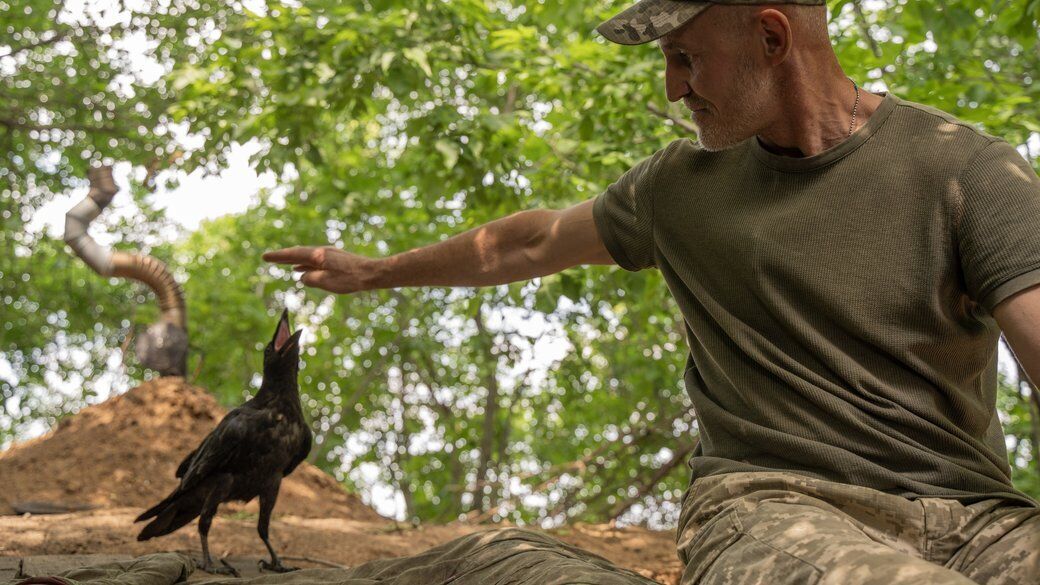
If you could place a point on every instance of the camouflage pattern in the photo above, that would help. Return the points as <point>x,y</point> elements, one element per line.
<point>774,528</point>
<point>652,19</point>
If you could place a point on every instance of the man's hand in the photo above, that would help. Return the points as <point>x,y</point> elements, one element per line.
<point>328,268</point>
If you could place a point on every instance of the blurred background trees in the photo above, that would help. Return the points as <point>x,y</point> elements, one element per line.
<point>386,125</point>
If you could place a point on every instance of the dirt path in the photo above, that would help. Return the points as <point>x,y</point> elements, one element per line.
<point>342,541</point>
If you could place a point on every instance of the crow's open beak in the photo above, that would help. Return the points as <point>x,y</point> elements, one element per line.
<point>294,340</point>
<point>283,334</point>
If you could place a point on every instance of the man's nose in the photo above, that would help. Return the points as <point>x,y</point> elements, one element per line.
<point>675,85</point>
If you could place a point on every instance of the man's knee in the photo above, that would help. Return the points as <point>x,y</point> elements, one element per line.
<point>757,539</point>
<point>1008,551</point>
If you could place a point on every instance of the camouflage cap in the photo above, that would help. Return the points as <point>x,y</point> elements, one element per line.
<point>649,20</point>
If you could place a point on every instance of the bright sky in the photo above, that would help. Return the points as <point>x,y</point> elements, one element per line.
<point>196,199</point>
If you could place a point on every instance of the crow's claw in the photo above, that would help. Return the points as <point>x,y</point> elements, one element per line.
<point>228,566</point>
<point>213,568</point>
<point>277,567</point>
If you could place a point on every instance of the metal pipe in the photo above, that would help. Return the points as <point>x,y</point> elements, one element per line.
<point>154,273</point>
<point>78,219</point>
<point>164,345</point>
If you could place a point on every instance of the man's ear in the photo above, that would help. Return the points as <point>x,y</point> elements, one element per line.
<point>773,32</point>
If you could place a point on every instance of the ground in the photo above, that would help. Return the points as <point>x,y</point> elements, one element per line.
<point>111,461</point>
<point>334,540</point>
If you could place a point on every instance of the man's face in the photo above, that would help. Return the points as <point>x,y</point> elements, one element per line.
<point>711,67</point>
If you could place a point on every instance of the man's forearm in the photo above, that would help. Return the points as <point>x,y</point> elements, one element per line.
<point>522,246</point>
<point>502,251</point>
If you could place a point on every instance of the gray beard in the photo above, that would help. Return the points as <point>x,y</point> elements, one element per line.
<point>743,120</point>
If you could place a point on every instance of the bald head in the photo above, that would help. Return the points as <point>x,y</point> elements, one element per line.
<point>808,23</point>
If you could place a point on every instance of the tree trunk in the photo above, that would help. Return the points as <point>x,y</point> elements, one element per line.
<point>487,439</point>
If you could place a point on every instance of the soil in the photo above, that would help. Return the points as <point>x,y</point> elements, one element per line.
<point>336,540</point>
<point>119,458</point>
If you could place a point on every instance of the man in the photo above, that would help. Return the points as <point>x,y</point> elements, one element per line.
<point>844,262</point>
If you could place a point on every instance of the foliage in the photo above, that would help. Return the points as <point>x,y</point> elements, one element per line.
<point>72,93</point>
<point>394,124</point>
<point>1019,407</point>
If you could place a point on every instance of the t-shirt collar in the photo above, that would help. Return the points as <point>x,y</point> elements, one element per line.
<point>836,152</point>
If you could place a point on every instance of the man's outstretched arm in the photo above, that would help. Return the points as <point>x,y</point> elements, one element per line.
<point>518,247</point>
<point>1019,318</point>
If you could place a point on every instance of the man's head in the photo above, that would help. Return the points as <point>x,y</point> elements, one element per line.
<point>728,61</point>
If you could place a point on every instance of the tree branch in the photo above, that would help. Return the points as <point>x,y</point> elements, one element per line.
<point>16,49</point>
<point>677,459</point>
<point>28,127</point>
<point>487,442</point>
<point>315,561</point>
<point>677,121</point>
<point>864,27</point>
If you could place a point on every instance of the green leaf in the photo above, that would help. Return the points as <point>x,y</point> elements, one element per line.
<point>449,151</point>
<point>418,56</point>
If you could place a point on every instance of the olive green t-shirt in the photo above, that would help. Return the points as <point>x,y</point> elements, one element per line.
<point>839,306</point>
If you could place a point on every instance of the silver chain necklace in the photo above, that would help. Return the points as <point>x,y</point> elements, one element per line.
<point>855,107</point>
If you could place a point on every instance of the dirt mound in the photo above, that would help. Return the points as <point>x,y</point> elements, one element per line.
<point>124,452</point>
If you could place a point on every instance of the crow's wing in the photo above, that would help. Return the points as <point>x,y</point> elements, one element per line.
<point>184,464</point>
<point>228,448</point>
<point>305,449</point>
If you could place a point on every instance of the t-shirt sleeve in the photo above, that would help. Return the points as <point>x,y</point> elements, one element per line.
<point>624,215</point>
<point>999,232</point>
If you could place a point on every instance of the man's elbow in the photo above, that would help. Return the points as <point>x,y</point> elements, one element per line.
<point>541,239</point>
<point>564,239</point>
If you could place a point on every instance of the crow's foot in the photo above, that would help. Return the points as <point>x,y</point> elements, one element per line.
<point>223,569</point>
<point>277,567</point>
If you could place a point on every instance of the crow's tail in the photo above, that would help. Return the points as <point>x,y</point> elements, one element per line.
<point>158,508</point>
<point>175,511</point>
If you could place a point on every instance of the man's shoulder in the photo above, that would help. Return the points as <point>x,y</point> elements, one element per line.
<point>942,129</point>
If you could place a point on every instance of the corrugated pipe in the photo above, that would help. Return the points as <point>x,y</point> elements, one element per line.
<point>163,346</point>
<point>154,273</point>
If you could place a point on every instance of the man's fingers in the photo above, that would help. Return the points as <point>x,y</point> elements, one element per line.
<point>318,265</point>
<point>294,255</point>
<point>317,278</point>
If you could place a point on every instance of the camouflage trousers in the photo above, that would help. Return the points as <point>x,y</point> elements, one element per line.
<point>774,528</point>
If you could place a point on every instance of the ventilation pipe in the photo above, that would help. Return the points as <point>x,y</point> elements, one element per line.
<point>164,345</point>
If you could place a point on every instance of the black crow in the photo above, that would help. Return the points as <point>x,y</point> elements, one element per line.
<point>247,455</point>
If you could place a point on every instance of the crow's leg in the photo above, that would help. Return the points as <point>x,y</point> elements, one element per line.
<point>219,491</point>
<point>268,496</point>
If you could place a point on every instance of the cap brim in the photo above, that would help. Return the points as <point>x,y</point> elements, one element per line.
<point>650,20</point>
